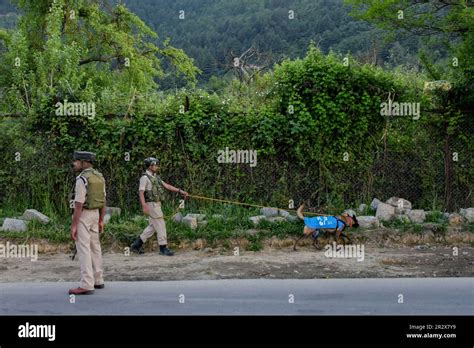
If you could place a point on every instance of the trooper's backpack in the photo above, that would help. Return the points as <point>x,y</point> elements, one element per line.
<point>95,185</point>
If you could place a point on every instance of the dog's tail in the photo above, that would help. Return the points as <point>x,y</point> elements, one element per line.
<point>299,212</point>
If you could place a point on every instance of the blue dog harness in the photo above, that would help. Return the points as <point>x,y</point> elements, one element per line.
<point>322,222</point>
<point>318,222</point>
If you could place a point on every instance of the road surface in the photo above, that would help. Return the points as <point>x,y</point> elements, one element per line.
<point>421,296</point>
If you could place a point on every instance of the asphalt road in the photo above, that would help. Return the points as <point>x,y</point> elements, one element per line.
<point>421,296</point>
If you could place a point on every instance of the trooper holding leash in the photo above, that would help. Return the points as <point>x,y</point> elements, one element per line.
<point>151,195</point>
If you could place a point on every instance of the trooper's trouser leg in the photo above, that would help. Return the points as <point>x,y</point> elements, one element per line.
<point>88,249</point>
<point>156,223</point>
<point>147,232</point>
<point>96,256</point>
<point>160,228</point>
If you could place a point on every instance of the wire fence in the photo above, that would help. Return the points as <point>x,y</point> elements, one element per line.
<point>429,179</point>
<point>280,182</point>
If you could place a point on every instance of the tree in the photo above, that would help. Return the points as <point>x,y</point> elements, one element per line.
<point>451,23</point>
<point>81,50</point>
<point>98,58</point>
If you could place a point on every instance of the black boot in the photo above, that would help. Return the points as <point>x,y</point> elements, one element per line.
<point>165,251</point>
<point>137,246</point>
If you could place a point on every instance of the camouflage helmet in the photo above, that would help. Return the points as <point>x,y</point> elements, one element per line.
<point>151,161</point>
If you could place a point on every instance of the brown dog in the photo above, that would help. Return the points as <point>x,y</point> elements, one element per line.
<point>328,224</point>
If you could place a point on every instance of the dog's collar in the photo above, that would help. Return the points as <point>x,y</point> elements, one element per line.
<point>351,220</point>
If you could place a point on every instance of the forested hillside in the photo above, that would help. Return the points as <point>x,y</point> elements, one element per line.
<point>215,31</point>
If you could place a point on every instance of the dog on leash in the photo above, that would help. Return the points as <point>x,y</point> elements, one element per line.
<point>329,224</point>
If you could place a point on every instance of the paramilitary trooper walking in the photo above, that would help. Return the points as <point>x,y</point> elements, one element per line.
<point>151,195</point>
<point>87,222</point>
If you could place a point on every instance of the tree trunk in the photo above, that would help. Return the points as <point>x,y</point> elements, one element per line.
<point>448,175</point>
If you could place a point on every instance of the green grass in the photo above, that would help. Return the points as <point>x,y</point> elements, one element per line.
<point>470,227</point>
<point>53,232</point>
<point>436,217</point>
<point>406,226</point>
<point>442,228</point>
<point>235,225</point>
<point>124,228</point>
<point>57,230</point>
<point>370,211</point>
<point>398,224</point>
<point>255,243</point>
<point>417,228</point>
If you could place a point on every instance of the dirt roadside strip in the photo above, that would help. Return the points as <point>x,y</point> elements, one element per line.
<point>385,253</point>
<point>307,263</point>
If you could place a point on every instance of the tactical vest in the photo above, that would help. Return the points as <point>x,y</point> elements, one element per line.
<point>156,194</point>
<point>95,197</point>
